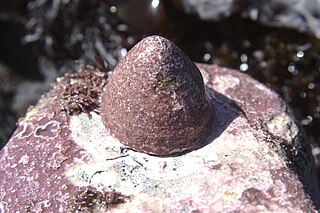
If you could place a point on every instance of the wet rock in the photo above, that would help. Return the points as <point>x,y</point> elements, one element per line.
<point>301,15</point>
<point>63,158</point>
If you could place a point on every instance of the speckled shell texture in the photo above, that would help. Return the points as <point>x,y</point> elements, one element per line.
<point>156,102</point>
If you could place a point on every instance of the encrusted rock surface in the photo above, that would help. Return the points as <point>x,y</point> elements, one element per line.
<point>62,158</point>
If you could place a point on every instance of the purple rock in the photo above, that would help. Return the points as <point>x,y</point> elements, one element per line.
<point>62,157</point>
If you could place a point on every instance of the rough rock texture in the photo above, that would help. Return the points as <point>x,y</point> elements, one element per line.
<point>155,101</point>
<point>62,158</point>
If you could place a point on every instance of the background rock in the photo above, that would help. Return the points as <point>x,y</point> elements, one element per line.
<point>302,15</point>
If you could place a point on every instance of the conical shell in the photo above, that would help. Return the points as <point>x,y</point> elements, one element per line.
<point>156,101</point>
